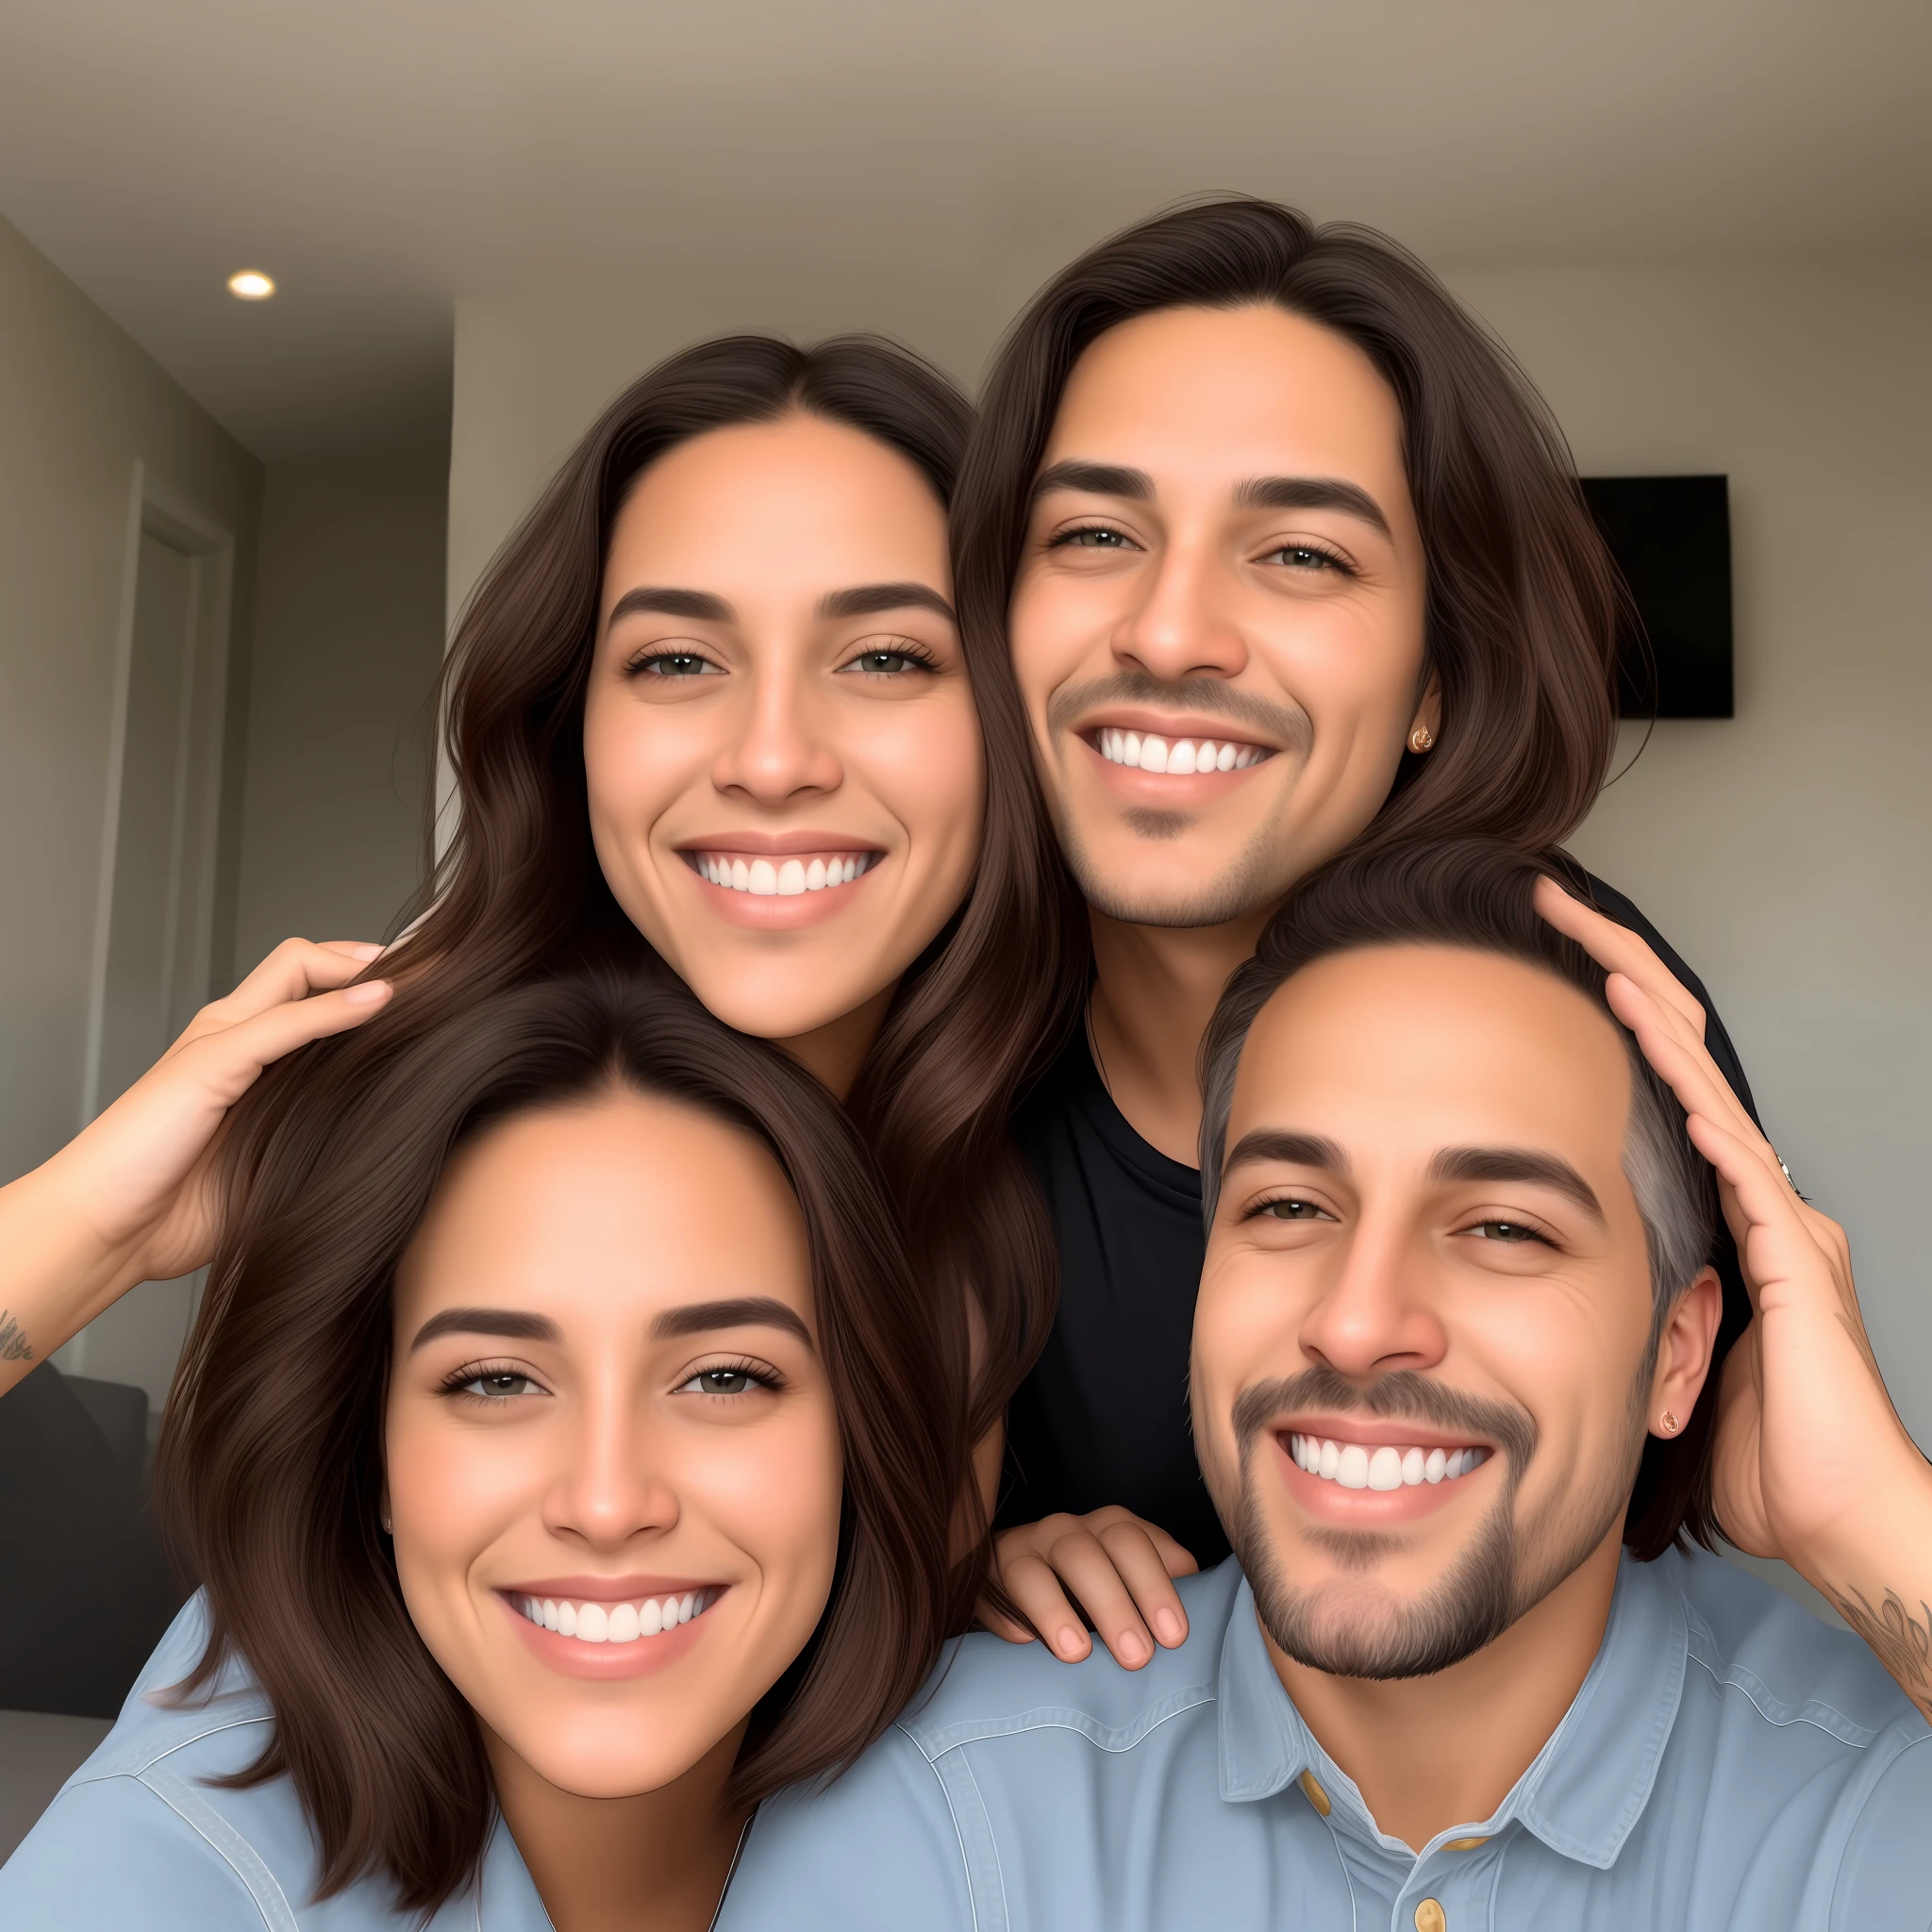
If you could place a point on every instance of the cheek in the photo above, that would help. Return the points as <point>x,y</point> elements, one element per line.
<point>452,1494</point>
<point>1049,626</point>
<point>774,1493</point>
<point>1247,1329</point>
<point>638,761</point>
<point>926,765</point>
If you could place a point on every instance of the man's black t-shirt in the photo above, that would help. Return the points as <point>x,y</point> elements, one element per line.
<point>1103,1417</point>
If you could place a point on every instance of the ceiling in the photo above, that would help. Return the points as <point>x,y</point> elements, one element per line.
<point>384,159</point>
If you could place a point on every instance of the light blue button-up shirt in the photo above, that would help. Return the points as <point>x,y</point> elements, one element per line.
<point>139,1841</point>
<point>1728,1762</point>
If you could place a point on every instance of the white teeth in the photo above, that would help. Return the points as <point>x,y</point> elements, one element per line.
<point>1179,757</point>
<point>615,1623</point>
<point>785,881</point>
<point>1354,1466</point>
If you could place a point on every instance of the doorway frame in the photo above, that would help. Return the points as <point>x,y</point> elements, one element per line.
<point>157,507</point>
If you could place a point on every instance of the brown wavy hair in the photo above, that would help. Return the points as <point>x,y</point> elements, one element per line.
<point>270,1459</point>
<point>1479,893</point>
<point>1523,600</point>
<point>518,891</point>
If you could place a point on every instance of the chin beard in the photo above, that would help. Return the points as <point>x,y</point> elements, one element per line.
<point>1256,878</point>
<point>1358,1628</point>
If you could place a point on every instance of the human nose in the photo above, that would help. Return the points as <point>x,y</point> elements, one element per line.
<point>1181,625</point>
<point>778,747</point>
<point>1377,1314</point>
<point>613,1488</point>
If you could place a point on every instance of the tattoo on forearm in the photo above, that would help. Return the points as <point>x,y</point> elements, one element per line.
<point>13,1342</point>
<point>1899,1641</point>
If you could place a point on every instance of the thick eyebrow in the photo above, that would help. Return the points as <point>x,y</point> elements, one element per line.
<point>513,1325</point>
<point>747,1311</point>
<point>701,605</point>
<point>1102,479</point>
<point>863,600</point>
<point>1515,1164</point>
<point>1299,1150</point>
<point>1311,492</point>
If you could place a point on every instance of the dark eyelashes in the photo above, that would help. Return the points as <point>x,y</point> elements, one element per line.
<point>457,1382</point>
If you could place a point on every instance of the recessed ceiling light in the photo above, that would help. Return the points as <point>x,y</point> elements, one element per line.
<point>251,285</point>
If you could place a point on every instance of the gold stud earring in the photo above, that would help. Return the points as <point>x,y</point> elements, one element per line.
<point>1669,1424</point>
<point>1421,739</point>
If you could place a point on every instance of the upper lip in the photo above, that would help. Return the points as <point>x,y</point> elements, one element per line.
<point>1375,1432</point>
<point>1134,718</point>
<point>610,1590</point>
<point>779,844</point>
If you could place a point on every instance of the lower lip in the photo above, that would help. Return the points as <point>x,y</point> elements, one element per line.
<point>608,1662</point>
<point>780,912</point>
<point>1371,1508</point>
<point>1136,787</point>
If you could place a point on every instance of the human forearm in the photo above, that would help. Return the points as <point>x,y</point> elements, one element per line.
<point>55,1272</point>
<point>1875,1570</point>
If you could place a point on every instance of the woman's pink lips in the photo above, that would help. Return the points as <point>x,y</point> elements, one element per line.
<point>777,912</point>
<point>1329,1503</point>
<point>606,1662</point>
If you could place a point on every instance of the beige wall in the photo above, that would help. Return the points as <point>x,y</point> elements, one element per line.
<point>79,404</point>
<point>348,636</point>
<point>1787,853</point>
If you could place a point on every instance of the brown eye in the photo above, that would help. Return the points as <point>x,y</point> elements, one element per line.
<point>1290,1210</point>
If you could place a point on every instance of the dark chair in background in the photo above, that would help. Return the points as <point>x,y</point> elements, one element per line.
<point>85,1590</point>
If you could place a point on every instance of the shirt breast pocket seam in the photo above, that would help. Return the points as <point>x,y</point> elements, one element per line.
<point>228,1845</point>
<point>978,1850</point>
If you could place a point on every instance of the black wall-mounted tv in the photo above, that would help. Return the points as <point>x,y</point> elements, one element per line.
<point>1672,539</point>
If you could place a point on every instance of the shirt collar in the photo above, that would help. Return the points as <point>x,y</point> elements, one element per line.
<point>1587,1787</point>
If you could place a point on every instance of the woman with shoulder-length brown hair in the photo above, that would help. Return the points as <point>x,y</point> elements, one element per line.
<point>567,1450</point>
<point>707,707</point>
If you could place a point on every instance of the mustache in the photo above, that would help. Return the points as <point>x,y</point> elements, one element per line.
<point>1402,1396</point>
<point>1287,726</point>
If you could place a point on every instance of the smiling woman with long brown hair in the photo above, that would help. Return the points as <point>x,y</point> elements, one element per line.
<point>567,1449</point>
<point>708,709</point>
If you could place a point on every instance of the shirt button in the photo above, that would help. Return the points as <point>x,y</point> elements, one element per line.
<point>1312,1791</point>
<point>1463,1844</point>
<point>1430,1917</point>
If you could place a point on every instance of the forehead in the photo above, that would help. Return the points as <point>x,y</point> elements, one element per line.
<point>1398,1051</point>
<point>767,501</point>
<point>601,1212</point>
<point>1252,391</point>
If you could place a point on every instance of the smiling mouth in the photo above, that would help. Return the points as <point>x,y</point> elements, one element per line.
<point>1382,1465</point>
<point>784,878</point>
<point>623,1623</point>
<point>1147,751</point>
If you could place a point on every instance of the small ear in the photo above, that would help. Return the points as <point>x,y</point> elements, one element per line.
<point>1683,1354</point>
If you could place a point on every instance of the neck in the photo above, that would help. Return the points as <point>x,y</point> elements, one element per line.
<point>655,1862</point>
<point>836,1051</point>
<point>1155,990</point>
<point>1429,1753</point>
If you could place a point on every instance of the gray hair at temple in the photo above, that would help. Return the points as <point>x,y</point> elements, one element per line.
<point>1478,895</point>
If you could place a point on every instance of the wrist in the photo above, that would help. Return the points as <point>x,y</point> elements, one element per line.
<point>1866,1546</point>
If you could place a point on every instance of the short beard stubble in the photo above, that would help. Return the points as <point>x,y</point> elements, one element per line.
<point>1505,1570</point>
